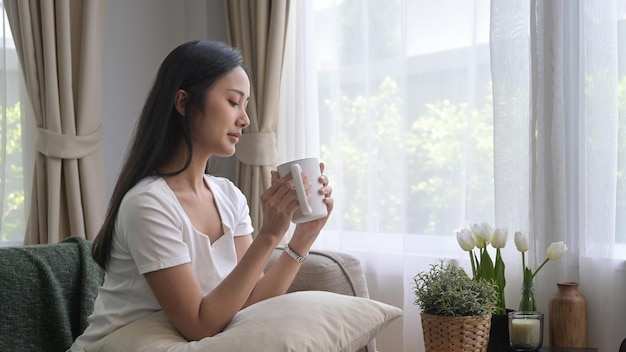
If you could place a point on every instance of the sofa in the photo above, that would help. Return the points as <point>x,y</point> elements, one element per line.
<point>47,293</point>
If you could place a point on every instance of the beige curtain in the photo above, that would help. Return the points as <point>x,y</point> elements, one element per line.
<point>258,28</point>
<point>59,44</point>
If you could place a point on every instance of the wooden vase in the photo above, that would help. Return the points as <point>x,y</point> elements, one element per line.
<point>568,316</point>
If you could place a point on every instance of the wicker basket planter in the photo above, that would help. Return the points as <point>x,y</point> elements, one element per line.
<point>456,334</point>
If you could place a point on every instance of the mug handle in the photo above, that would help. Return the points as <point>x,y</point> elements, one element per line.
<point>296,173</point>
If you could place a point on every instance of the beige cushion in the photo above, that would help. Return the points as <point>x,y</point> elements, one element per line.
<point>300,321</point>
<point>330,271</point>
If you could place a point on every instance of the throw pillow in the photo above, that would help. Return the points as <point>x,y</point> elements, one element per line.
<point>300,321</point>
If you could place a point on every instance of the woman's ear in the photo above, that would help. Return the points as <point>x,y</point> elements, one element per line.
<point>180,101</point>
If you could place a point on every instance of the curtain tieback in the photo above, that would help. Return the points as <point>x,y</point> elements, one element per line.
<point>257,149</point>
<point>64,146</point>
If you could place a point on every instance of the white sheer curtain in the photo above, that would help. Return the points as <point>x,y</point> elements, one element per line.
<point>560,65</point>
<point>298,125</point>
<point>599,214</point>
<point>500,111</point>
<point>404,125</point>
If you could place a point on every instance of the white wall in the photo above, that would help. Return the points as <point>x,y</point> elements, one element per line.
<point>138,36</point>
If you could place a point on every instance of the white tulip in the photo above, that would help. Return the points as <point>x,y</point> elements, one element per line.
<point>521,242</point>
<point>556,250</point>
<point>465,239</point>
<point>499,237</point>
<point>482,234</point>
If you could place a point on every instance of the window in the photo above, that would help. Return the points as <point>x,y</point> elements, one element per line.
<point>13,107</point>
<point>407,116</point>
<point>436,115</point>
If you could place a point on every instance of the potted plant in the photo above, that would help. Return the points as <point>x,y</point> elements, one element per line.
<point>456,310</point>
<point>476,240</point>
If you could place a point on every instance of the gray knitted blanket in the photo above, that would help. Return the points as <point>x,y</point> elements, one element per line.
<point>46,294</point>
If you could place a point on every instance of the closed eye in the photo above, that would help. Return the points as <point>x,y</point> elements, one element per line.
<point>233,103</point>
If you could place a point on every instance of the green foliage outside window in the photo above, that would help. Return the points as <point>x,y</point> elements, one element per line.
<point>11,177</point>
<point>426,194</point>
<point>440,153</point>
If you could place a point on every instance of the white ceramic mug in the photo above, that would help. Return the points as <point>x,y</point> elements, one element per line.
<point>310,209</point>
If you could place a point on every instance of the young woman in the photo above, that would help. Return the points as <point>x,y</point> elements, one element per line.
<point>177,239</point>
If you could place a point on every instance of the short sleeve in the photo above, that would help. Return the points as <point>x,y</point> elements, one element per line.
<point>151,229</point>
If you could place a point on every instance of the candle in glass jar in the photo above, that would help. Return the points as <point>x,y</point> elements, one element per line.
<point>525,332</point>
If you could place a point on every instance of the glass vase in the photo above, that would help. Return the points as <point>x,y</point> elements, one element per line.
<point>527,303</point>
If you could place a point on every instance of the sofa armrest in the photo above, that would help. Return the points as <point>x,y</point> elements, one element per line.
<point>330,271</point>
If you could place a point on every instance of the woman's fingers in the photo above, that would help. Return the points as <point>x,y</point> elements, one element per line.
<point>280,199</point>
<point>285,185</point>
<point>327,191</point>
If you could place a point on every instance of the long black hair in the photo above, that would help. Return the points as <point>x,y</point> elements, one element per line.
<point>193,67</point>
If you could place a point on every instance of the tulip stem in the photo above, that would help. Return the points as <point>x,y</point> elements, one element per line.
<point>539,268</point>
<point>471,254</point>
<point>524,266</point>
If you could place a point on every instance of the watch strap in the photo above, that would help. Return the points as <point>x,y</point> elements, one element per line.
<point>295,255</point>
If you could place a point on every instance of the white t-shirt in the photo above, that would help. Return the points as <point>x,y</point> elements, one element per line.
<point>152,232</point>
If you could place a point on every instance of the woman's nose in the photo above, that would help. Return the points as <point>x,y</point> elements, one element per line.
<point>244,119</point>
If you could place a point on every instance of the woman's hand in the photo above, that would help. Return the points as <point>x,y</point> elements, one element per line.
<point>279,202</point>
<point>314,227</point>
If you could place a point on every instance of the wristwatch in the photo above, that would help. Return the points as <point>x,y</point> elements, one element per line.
<point>294,255</point>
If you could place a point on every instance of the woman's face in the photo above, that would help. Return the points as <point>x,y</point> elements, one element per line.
<point>218,127</point>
